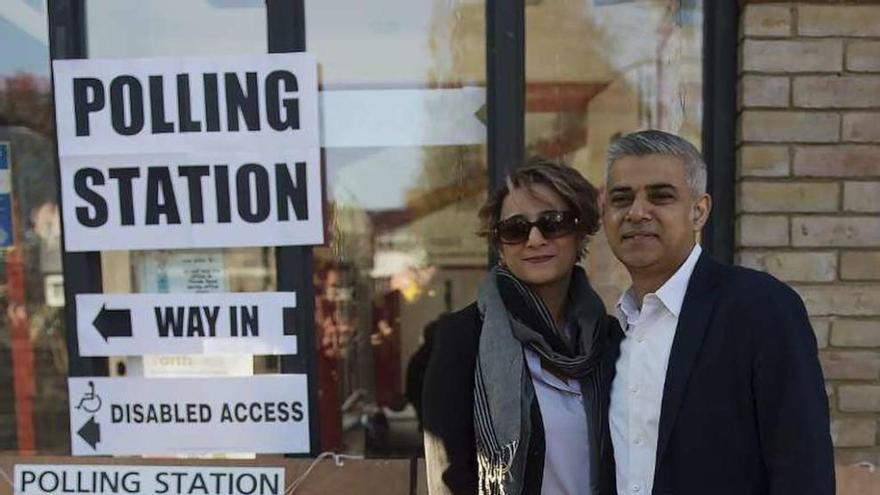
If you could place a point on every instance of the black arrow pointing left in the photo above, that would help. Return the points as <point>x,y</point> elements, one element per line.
<point>113,322</point>
<point>90,432</point>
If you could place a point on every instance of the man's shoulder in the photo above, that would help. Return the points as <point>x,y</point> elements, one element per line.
<point>757,300</point>
<point>754,285</point>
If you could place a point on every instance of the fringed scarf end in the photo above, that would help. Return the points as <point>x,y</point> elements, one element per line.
<point>494,469</point>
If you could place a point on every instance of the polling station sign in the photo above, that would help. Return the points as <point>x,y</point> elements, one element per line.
<point>189,152</point>
<point>215,323</point>
<point>266,414</point>
<point>49,479</point>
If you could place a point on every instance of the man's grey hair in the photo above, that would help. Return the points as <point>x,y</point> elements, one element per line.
<point>654,142</point>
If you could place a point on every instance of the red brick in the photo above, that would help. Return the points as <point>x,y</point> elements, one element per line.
<point>863,56</point>
<point>861,127</point>
<point>850,365</point>
<point>853,160</point>
<point>859,398</point>
<point>787,126</point>
<point>838,20</point>
<point>789,196</point>
<point>767,20</point>
<point>763,161</point>
<point>836,91</point>
<point>829,231</point>
<point>854,432</point>
<point>792,56</point>
<point>841,300</point>
<point>860,265</point>
<point>847,460</point>
<point>848,332</point>
<point>765,91</point>
<point>822,329</point>
<point>762,231</point>
<point>861,197</point>
<point>793,266</point>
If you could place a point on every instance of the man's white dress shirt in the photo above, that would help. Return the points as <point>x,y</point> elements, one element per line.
<point>567,446</point>
<point>637,389</point>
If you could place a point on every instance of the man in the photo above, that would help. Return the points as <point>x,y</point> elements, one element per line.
<point>718,388</point>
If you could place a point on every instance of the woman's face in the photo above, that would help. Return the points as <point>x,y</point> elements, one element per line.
<point>538,261</point>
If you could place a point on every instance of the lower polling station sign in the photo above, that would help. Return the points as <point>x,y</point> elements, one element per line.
<point>215,323</point>
<point>189,152</point>
<point>50,479</point>
<point>266,414</point>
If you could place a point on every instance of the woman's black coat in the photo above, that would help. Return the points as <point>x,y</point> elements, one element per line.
<point>448,411</point>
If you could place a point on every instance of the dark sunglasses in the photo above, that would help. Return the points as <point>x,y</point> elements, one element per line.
<point>552,224</point>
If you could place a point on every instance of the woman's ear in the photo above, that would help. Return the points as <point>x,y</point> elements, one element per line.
<point>583,248</point>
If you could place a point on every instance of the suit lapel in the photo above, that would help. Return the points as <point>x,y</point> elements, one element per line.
<point>699,301</point>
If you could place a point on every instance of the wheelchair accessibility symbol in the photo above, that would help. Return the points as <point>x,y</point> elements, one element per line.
<point>90,401</point>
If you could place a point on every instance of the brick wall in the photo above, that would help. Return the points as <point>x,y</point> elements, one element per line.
<point>808,197</point>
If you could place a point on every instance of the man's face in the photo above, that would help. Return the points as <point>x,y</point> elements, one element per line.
<point>650,214</point>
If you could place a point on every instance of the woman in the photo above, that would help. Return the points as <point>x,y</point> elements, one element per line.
<point>515,395</point>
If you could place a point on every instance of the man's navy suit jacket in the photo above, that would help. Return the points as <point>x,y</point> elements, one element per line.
<point>744,406</point>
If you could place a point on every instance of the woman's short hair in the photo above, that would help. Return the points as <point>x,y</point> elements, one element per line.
<point>579,195</point>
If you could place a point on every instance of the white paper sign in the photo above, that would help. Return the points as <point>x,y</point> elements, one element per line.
<point>218,323</point>
<point>126,416</point>
<point>43,479</point>
<point>189,152</point>
<point>261,198</point>
<point>186,104</point>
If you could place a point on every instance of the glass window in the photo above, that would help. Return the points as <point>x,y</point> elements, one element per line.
<point>33,375</point>
<point>404,160</point>
<point>133,28</point>
<point>597,69</point>
<point>405,163</point>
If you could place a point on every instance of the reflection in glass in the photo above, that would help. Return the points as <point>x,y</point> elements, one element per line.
<point>403,192</point>
<point>158,28</point>
<point>403,188</point>
<point>33,396</point>
<point>598,69</point>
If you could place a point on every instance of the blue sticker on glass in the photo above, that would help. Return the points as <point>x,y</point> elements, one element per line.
<point>6,234</point>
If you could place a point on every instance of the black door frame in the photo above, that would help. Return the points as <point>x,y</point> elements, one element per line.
<point>82,271</point>
<point>294,264</point>
<point>505,87</point>
<point>720,67</point>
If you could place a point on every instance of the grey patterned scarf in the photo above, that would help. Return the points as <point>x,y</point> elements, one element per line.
<point>513,317</point>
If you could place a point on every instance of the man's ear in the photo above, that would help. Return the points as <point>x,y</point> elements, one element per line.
<point>702,208</point>
<point>601,198</point>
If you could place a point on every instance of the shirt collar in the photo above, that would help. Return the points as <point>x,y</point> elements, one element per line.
<point>671,293</point>
<point>627,309</point>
